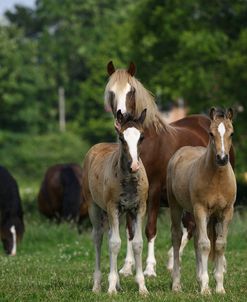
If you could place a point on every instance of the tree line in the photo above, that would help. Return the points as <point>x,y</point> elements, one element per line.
<point>192,49</point>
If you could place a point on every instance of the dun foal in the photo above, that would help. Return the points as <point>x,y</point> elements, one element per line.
<point>114,181</point>
<point>201,180</point>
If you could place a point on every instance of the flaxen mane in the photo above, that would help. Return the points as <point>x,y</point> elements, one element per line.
<point>143,99</point>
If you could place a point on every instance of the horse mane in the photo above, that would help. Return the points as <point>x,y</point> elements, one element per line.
<point>144,99</point>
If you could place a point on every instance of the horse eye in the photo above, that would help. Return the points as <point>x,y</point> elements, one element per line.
<point>141,137</point>
<point>232,133</point>
<point>211,134</point>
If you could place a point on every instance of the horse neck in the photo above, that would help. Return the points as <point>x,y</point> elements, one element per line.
<point>123,165</point>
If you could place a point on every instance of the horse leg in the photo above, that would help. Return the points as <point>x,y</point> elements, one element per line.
<point>198,257</point>
<point>114,247</point>
<point>203,246</point>
<point>220,244</point>
<point>126,270</point>
<point>137,248</point>
<point>170,252</point>
<point>96,217</point>
<point>151,230</point>
<point>176,232</point>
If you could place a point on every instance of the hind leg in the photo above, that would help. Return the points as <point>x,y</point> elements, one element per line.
<point>114,247</point>
<point>220,244</point>
<point>176,232</point>
<point>129,262</point>
<point>137,248</point>
<point>151,230</point>
<point>203,247</point>
<point>96,215</point>
<point>170,252</point>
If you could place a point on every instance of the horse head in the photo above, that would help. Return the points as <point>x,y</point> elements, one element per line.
<point>11,232</point>
<point>120,93</point>
<point>130,133</point>
<point>221,131</point>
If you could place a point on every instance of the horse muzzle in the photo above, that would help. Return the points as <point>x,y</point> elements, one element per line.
<point>134,166</point>
<point>222,160</point>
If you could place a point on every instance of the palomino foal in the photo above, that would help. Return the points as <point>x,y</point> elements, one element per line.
<point>201,181</point>
<point>114,182</point>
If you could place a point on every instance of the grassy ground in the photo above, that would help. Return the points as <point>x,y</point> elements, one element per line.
<point>54,263</point>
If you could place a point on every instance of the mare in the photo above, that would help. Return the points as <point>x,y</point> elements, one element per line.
<point>60,193</point>
<point>115,182</point>
<point>11,214</point>
<point>124,92</point>
<point>201,180</point>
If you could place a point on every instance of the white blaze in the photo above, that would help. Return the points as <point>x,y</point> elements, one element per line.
<point>13,231</point>
<point>131,136</point>
<point>222,130</point>
<point>121,97</point>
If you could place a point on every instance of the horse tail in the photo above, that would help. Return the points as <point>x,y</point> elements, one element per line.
<point>212,236</point>
<point>71,193</point>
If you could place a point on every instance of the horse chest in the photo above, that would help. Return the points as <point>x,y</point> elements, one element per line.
<point>129,198</point>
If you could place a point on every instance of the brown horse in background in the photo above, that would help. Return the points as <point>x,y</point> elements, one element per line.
<point>60,193</point>
<point>201,180</point>
<point>124,92</point>
<point>115,182</point>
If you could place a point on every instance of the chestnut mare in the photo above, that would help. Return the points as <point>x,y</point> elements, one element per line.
<point>124,92</point>
<point>115,182</point>
<point>201,180</point>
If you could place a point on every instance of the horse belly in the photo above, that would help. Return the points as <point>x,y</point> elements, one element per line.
<point>179,175</point>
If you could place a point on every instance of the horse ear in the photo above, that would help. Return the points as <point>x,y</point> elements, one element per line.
<point>132,69</point>
<point>229,113</point>
<point>212,113</point>
<point>142,116</point>
<point>110,68</point>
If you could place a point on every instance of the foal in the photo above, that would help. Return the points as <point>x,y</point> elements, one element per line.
<point>201,181</point>
<point>114,181</point>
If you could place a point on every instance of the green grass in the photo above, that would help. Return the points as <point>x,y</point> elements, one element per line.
<point>54,263</point>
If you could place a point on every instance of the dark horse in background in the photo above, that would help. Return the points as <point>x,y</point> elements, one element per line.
<point>11,214</point>
<point>59,197</point>
<point>124,92</point>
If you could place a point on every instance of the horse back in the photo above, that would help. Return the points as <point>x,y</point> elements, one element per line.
<point>9,193</point>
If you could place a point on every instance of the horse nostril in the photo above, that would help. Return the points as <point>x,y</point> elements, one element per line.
<point>222,160</point>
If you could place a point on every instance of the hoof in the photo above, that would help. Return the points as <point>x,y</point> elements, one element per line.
<point>126,270</point>
<point>150,271</point>
<point>220,291</point>
<point>112,291</point>
<point>96,289</point>
<point>176,288</point>
<point>206,291</point>
<point>143,291</point>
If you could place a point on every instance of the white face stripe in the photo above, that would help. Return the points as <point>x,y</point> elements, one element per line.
<point>13,231</point>
<point>121,97</point>
<point>222,130</point>
<point>131,136</point>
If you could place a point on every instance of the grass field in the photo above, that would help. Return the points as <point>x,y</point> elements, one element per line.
<point>54,263</point>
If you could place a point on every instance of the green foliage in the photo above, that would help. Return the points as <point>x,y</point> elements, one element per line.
<point>28,156</point>
<point>191,49</point>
